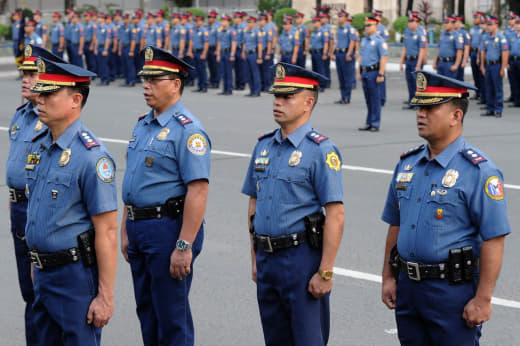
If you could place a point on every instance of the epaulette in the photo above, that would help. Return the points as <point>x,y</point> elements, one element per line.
<point>182,119</point>
<point>22,106</point>
<point>39,135</point>
<point>141,117</point>
<point>473,157</point>
<point>268,134</point>
<point>412,151</point>
<point>316,137</point>
<point>87,140</point>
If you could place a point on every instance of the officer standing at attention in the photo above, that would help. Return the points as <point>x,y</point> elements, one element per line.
<point>514,64</point>
<point>459,21</point>
<point>304,39</point>
<point>326,26</point>
<point>451,45</point>
<point>319,42</point>
<point>30,36</point>
<point>412,54</point>
<point>103,38</point>
<point>200,46</point>
<point>383,32</point>
<point>239,64</point>
<point>90,42</point>
<point>24,126</point>
<point>484,38</point>
<point>213,65</point>
<point>447,224</point>
<point>57,35</point>
<point>475,33</point>
<point>71,231</point>
<point>355,52</point>
<point>150,32</point>
<point>267,56</point>
<point>345,45</point>
<point>495,58</point>
<point>175,34</point>
<point>372,65</point>
<point>139,44</point>
<point>127,43</point>
<point>41,28</point>
<point>509,32</point>
<point>77,41</point>
<point>294,174</point>
<point>252,55</point>
<point>226,47</point>
<point>16,16</point>
<point>289,42</point>
<point>165,190</point>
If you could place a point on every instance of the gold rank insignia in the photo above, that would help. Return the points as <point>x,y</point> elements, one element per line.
<point>422,84</point>
<point>333,161</point>
<point>38,126</point>
<point>450,178</point>
<point>280,72</point>
<point>295,158</point>
<point>408,167</point>
<point>65,157</point>
<point>163,134</point>
<point>264,153</point>
<point>27,51</point>
<point>41,66</point>
<point>148,54</point>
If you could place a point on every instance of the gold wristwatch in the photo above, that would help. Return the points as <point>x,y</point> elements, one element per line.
<point>326,274</point>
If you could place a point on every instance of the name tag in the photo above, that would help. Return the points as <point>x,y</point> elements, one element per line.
<point>404,177</point>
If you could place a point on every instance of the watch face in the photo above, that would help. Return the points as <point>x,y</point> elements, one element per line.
<point>182,245</point>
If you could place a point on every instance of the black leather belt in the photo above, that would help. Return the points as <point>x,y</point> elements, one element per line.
<point>172,208</point>
<point>418,272</point>
<point>125,46</point>
<point>250,51</point>
<point>212,47</point>
<point>370,68</point>
<point>175,47</point>
<point>55,259</point>
<point>411,58</point>
<point>316,51</point>
<point>342,50</point>
<point>272,244</point>
<point>287,53</point>
<point>492,62</point>
<point>198,50</point>
<point>514,58</point>
<point>16,196</point>
<point>447,59</point>
<point>473,50</point>
<point>225,50</point>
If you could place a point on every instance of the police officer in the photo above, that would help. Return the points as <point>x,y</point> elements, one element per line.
<point>372,65</point>
<point>450,53</point>
<point>289,42</point>
<point>304,39</point>
<point>187,22</point>
<point>200,46</point>
<point>345,45</point>
<point>327,27</point>
<point>41,28</point>
<point>16,17</point>
<point>103,39</point>
<point>484,38</point>
<point>495,57</point>
<point>319,42</point>
<point>459,20</point>
<point>90,42</point>
<point>475,33</point>
<point>72,201</point>
<point>294,173</point>
<point>77,41</point>
<point>165,190</point>
<point>57,35</point>
<point>252,55</point>
<point>267,47</point>
<point>165,28</point>
<point>447,218</point>
<point>226,47</point>
<point>127,43</point>
<point>114,47</point>
<point>514,64</point>
<point>509,32</point>
<point>139,45</point>
<point>355,52</point>
<point>412,54</point>
<point>270,25</point>
<point>116,58</point>
<point>239,64</point>
<point>68,33</point>
<point>24,126</point>
<point>30,36</point>
<point>213,65</point>
<point>383,32</point>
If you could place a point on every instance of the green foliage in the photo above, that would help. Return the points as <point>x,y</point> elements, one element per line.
<point>278,16</point>
<point>4,31</point>
<point>197,12</point>
<point>358,22</point>
<point>166,11</point>
<point>273,5</point>
<point>400,24</point>
<point>86,8</point>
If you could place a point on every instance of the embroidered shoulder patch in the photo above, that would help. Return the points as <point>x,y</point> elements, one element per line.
<point>105,170</point>
<point>494,188</point>
<point>182,119</point>
<point>316,137</point>
<point>473,156</point>
<point>197,144</point>
<point>333,161</point>
<point>412,151</point>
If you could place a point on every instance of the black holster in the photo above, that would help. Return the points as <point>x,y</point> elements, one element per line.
<point>393,260</point>
<point>87,248</point>
<point>252,231</point>
<point>460,265</point>
<point>314,229</point>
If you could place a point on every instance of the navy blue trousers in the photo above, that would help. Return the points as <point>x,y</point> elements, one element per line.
<point>290,314</point>
<point>240,69</point>
<point>318,66</point>
<point>265,72</point>
<point>345,76</point>
<point>214,68</point>
<point>63,297</point>
<point>226,66</point>
<point>162,302</point>
<point>68,48</point>
<point>253,73</point>
<point>514,71</point>
<point>76,58</point>
<point>410,79</point>
<point>477,74</point>
<point>286,58</point>
<point>494,89</point>
<point>430,313</point>
<point>112,65</point>
<point>443,68</point>
<point>23,266</point>
<point>326,67</point>
<point>372,91</point>
<point>102,65</point>
<point>55,50</point>
<point>200,67</point>
<point>192,74</point>
<point>90,58</point>
<point>300,61</point>
<point>128,66</point>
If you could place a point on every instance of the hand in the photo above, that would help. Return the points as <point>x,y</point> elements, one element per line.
<point>319,287</point>
<point>95,52</point>
<point>190,55</point>
<point>114,50</point>
<point>124,245</point>
<point>453,68</point>
<point>324,57</point>
<point>180,264</point>
<point>358,75</point>
<point>131,53</point>
<point>293,60</point>
<point>435,65</point>
<point>218,58</point>
<point>305,52</point>
<point>105,53</point>
<point>60,50</point>
<point>477,311</point>
<point>463,65</point>
<point>232,57</point>
<point>100,311</point>
<point>502,73</point>
<point>267,57</point>
<point>380,79</point>
<point>401,67</point>
<point>348,58</point>
<point>417,67</point>
<point>203,57</point>
<point>243,56</point>
<point>181,56</point>
<point>259,61</point>
<point>80,52</point>
<point>119,53</point>
<point>253,270</point>
<point>388,295</point>
<point>333,58</point>
<point>483,70</point>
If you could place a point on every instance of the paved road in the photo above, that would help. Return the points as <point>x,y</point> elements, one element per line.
<point>223,296</point>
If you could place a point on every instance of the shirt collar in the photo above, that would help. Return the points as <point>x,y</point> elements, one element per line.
<point>66,137</point>
<point>165,116</point>
<point>296,137</point>
<point>446,155</point>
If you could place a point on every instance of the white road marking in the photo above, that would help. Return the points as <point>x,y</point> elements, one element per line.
<point>338,271</point>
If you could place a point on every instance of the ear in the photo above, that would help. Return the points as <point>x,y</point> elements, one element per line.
<point>309,103</point>
<point>77,98</point>
<point>456,117</point>
<point>176,85</point>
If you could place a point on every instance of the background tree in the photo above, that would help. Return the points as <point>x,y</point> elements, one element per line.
<point>425,9</point>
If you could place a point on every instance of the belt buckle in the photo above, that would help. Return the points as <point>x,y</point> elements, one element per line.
<point>130,210</point>
<point>12,195</point>
<point>412,269</point>
<point>268,239</point>
<point>35,259</point>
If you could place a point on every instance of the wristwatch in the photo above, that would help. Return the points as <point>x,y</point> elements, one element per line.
<point>182,245</point>
<point>326,274</point>
<point>380,74</point>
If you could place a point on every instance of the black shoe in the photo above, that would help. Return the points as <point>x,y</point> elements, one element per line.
<point>365,128</point>
<point>382,104</point>
<point>509,100</point>
<point>481,102</point>
<point>483,107</point>
<point>407,108</point>
<point>474,97</point>
<point>225,93</point>
<point>374,129</point>
<point>498,114</point>
<point>487,114</point>
<point>342,102</point>
<point>214,87</point>
<point>124,85</point>
<point>205,90</point>
<point>322,90</point>
<point>240,88</point>
<point>406,102</point>
<point>514,106</point>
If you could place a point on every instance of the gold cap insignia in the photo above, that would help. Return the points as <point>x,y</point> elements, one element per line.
<point>38,126</point>
<point>27,51</point>
<point>421,82</point>
<point>450,178</point>
<point>295,158</point>
<point>65,157</point>
<point>148,54</point>
<point>41,66</point>
<point>280,72</point>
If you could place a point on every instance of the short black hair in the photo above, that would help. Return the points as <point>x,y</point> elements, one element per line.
<point>83,89</point>
<point>315,92</point>
<point>462,104</point>
<point>182,76</point>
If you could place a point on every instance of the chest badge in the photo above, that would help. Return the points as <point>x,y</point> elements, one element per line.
<point>450,178</point>
<point>163,134</point>
<point>14,129</point>
<point>295,158</point>
<point>264,153</point>
<point>404,177</point>
<point>408,167</point>
<point>65,157</point>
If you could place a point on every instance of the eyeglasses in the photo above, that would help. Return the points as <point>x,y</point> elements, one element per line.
<point>148,79</point>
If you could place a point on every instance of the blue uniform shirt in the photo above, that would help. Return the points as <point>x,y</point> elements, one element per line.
<point>90,29</point>
<point>34,39</point>
<point>449,43</point>
<point>68,30</point>
<point>318,38</point>
<point>303,33</point>
<point>16,30</point>
<point>77,32</point>
<point>383,32</point>
<point>189,30</point>
<point>494,46</point>
<point>151,35</point>
<point>226,37</point>
<point>24,127</point>
<point>104,33</point>
<point>372,48</point>
<point>266,36</point>
<point>164,155</point>
<point>475,33</point>
<point>127,34</point>
<point>176,34</point>
<point>252,38</point>
<point>515,45</point>
<point>292,178</point>
<point>288,40</point>
<point>466,36</point>
<point>436,214</point>
<point>508,33</point>
<point>483,39</point>
<point>213,33</point>
<point>57,32</point>
<point>200,35</point>
<point>420,30</point>
<point>66,190</point>
<point>40,29</point>
<point>413,42</point>
<point>343,36</point>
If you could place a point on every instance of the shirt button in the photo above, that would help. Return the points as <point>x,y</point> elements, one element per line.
<point>419,199</point>
<point>279,154</point>
<point>413,226</point>
<point>267,217</point>
<point>140,150</point>
<point>270,197</point>
<point>427,174</point>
